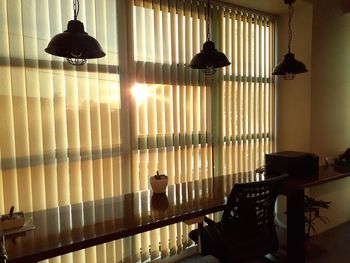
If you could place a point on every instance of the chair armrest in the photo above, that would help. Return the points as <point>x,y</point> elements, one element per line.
<point>209,221</point>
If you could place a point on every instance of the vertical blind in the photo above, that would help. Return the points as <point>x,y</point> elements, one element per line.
<point>172,109</point>
<point>247,90</point>
<point>62,137</point>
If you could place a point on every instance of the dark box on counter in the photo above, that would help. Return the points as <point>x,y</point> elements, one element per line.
<point>293,163</point>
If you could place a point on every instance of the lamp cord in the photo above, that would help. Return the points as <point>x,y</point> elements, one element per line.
<point>290,34</point>
<point>76,8</point>
<point>208,20</point>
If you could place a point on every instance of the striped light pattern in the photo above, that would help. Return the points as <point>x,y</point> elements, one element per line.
<point>59,136</point>
<point>247,112</point>
<point>172,115</point>
<point>71,135</point>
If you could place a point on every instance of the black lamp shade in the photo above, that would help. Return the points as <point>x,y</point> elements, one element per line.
<point>209,57</point>
<point>289,66</point>
<point>75,43</point>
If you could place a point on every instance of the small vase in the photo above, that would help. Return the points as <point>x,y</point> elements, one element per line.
<point>159,185</point>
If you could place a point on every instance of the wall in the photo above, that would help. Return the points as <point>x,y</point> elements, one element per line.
<point>314,109</point>
<point>330,97</point>
<point>330,80</point>
<point>293,101</point>
<point>294,97</point>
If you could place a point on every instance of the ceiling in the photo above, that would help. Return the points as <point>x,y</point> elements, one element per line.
<point>275,7</point>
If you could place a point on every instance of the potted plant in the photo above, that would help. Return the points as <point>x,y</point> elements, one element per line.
<point>159,182</point>
<point>312,212</point>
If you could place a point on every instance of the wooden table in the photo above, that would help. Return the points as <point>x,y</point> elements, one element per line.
<point>294,190</point>
<point>66,229</point>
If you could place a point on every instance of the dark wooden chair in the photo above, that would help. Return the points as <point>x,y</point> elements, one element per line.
<point>246,230</point>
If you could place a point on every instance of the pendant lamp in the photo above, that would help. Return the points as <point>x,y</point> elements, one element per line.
<point>75,44</point>
<point>289,66</point>
<point>209,58</point>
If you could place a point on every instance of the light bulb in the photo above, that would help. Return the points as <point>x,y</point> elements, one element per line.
<point>209,70</point>
<point>288,76</point>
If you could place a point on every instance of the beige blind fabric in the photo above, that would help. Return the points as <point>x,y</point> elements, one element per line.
<point>57,119</point>
<point>71,135</point>
<point>172,103</point>
<point>172,108</point>
<point>247,90</point>
<point>59,136</point>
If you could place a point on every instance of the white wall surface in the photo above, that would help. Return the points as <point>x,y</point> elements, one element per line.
<point>314,109</point>
<point>294,97</point>
<point>293,101</point>
<point>330,100</point>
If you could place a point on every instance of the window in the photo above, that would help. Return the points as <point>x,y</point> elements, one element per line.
<point>78,134</point>
<point>173,121</point>
<point>247,91</point>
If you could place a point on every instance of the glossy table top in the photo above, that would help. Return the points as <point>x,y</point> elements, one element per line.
<point>325,174</point>
<point>65,229</point>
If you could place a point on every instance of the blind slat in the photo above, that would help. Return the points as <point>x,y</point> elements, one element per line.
<point>66,140</point>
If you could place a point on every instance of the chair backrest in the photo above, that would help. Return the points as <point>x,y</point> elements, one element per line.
<point>250,206</point>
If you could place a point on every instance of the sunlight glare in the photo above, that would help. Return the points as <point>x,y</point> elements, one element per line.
<point>140,93</point>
